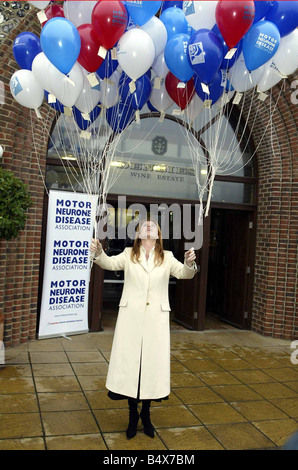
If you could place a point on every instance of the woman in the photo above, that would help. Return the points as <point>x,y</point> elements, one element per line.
<point>139,368</point>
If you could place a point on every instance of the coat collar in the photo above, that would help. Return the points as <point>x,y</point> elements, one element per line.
<point>147,265</point>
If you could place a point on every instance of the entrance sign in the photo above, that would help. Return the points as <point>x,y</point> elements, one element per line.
<point>64,306</point>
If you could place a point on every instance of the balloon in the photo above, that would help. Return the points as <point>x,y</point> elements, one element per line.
<point>159,66</point>
<point>108,67</point>
<point>160,99</point>
<point>170,4</point>
<point>194,108</point>
<point>135,53</point>
<point>174,21</point>
<point>57,105</point>
<point>78,12</point>
<point>61,43</point>
<point>261,9</point>
<point>53,11</point>
<point>26,90</point>
<point>176,57</point>
<point>56,83</point>
<point>88,57</point>
<point>227,63</point>
<point>260,44</point>
<point>158,33</point>
<point>140,96</point>
<point>241,79</point>
<point>205,54</point>
<point>120,116</point>
<point>25,48</point>
<point>39,4</point>
<point>89,96</point>
<point>234,18</point>
<point>109,21</point>
<point>85,123</point>
<point>284,15</point>
<point>151,108</point>
<point>142,11</point>
<point>200,14</point>
<point>284,63</point>
<point>181,96</point>
<point>216,89</point>
<point>109,90</point>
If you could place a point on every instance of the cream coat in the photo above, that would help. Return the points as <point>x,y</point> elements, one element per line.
<point>142,331</point>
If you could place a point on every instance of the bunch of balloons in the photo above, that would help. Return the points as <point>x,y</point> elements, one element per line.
<point>119,55</point>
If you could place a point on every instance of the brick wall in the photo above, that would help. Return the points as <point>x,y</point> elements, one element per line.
<point>275,284</point>
<point>20,258</point>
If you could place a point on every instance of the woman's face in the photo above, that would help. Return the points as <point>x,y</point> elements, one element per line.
<point>148,230</point>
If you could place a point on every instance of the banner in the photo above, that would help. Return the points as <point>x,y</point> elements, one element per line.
<point>64,306</point>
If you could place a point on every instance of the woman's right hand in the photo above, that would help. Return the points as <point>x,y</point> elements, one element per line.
<point>96,247</point>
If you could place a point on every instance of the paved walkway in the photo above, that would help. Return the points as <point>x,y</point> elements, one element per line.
<point>231,389</point>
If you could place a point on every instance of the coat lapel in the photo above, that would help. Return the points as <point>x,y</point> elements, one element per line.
<point>148,266</point>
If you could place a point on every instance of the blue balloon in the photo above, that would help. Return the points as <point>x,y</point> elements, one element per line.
<point>171,4</point>
<point>25,48</point>
<point>205,53</point>
<point>57,105</point>
<point>120,116</point>
<point>140,96</point>
<point>261,9</point>
<point>176,57</point>
<point>143,11</point>
<point>83,123</point>
<point>284,15</point>
<point>61,43</point>
<point>107,67</point>
<point>174,21</point>
<point>227,63</point>
<point>215,87</point>
<point>260,44</point>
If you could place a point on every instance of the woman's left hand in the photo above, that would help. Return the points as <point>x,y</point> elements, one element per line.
<point>190,257</point>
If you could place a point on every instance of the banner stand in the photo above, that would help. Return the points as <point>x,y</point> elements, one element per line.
<point>65,291</point>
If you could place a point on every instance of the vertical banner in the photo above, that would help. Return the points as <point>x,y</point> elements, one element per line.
<point>64,305</point>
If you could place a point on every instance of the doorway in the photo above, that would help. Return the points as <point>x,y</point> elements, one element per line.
<point>230,267</point>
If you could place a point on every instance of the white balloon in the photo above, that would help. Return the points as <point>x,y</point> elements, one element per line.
<point>241,79</point>
<point>158,33</point>
<point>109,94</point>
<point>89,96</point>
<point>194,108</point>
<point>39,4</point>
<point>26,90</point>
<point>66,92</point>
<point>200,14</point>
<point>159,66</point>
<point>160,98</point>
<point>56,83</point>
<point>78,12</point>
<point>135,52</point>
<point>284,62</point>
<point>41,67</point>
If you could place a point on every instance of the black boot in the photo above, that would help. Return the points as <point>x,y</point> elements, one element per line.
<point>131,431</point>
<point>145,417</point>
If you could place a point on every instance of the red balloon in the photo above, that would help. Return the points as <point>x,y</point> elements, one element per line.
<point>89,58</point>
<point>181,96</point>
<point>109,21</point>
<point>234,18</point>
<point>53,11</point>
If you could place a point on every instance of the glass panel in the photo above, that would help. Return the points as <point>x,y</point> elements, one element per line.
<point>237,193</point>
<point>63,178</point>
<point>231,151</point>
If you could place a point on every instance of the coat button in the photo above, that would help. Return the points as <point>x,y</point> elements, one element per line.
<point>147,303</point>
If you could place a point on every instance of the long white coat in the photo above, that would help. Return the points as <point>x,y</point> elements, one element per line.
<point>142,332</point>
